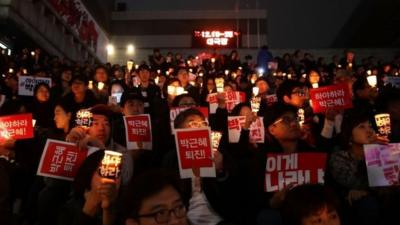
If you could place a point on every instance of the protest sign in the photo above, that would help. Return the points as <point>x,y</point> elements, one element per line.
<point>383,164</point>
<point>61,160</point>
<point>294,168</point>
<point>331,97</point>
<point>111,165</point>
<point>138,132</point>
<point>256,129</point>
<point>26,84</point>
<point>17,127</point>
<point>271,99</point>
<point>194,151</point>
<point>232,98</point>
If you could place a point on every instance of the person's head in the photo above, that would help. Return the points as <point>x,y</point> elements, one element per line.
<point>209,84</point>
<point>313,77</point>
<point>281,122</point>
<point>183,76</point>
<point>310,204</point>
<point>63,116</point>
<point>262,85</point>
<point>356,128</point>
<point>101,74</point>
<point>184,100</point>
<point>362,90</point>
<point>292,93</point>
<point>100,128</point>
<point>66,74</point>
<point>88,176</point>
<point>241,109</point>
<point>132,103</point>
<point>191,118</point>
<point>144,73</point>
<point>42,92</point>
<point>155,198</point>
<point>174,82</point>
<point>117,87</point>
<point>79,84</point>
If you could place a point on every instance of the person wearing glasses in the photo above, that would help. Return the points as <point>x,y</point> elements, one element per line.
<point>283,135</point>
<point>155,198</point>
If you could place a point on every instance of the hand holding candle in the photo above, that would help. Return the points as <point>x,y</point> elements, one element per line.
<point>219,82</point>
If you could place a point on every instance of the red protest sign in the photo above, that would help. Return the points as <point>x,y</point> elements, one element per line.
<point>61,160</point>
<point>331,97</point>
<point>174,112</point>
<point>232,98</point>
<point>256,134</point>
<point>138,131</point>
<point>16,127</point>
<point>295,168</point>
<point>194,148</point>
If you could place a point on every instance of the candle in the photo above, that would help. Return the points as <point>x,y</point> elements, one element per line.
<point>111,165</point>
<point>372,80</point>
<point>90,86</point>
<point>215,139</point>
<point>219,82</point>
<point>255,104</point>
<point>129,65</point>
<point>315,85</point>
<point>255,91</point>
<point>84,118</point>
<point>100,86</point>
<point>300,114</point>
<point>226,72</point>
<point>383,123</point>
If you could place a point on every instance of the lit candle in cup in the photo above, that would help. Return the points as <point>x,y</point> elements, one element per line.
<point>300,114</point>
<point>215,139</point>
<point>255,91</point>
<point>383,124</point>
<point>84,118</point>
<point>315,85</point>
<point>372,80</point>
<point>219,83</point>
<point>111,165</point>
<point>255,104</point>
<point>100,86</point>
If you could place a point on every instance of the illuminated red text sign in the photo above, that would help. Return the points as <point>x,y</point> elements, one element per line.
<point>207,38</point>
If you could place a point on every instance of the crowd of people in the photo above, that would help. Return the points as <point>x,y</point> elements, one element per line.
<point>149,190</point>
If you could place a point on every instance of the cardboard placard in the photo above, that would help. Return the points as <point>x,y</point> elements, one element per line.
<point>138,132</point>
<point>257,132</point>
<point>331,97</point>
<point>194,149</point>
<point>61,160</point>
<point>232,98</point>
<point>17,127</point>
<point>26,84</point>
<point>295,168</point>
<point>383,164</point>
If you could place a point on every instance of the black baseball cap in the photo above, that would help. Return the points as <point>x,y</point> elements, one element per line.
<point>130,95</point>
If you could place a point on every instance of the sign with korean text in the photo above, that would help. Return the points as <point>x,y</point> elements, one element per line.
<point>216,38</point>
<point>174,112</point>
<point>256,135</point>
<point>138,132</point>
<point>26,84</point>
<point>18,126</point>
<point>232,98</point>
<point>294,168</point>
<point>331,97</point>
<point>61,160</point>
<point>194,151</point>
<point>383,164</point>
<point>271,99</point>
